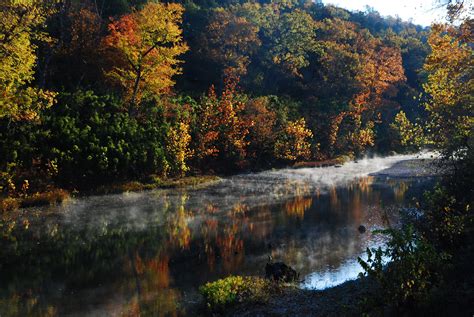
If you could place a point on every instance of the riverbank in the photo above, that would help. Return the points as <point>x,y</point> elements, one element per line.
<point>346,299</point>
<point>362,297</point>
<point>53,195</point>
<point>422,167</point>
<point>58,195</point>
<point>425,167</point>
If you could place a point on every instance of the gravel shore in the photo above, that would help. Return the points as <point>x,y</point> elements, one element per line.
<point>411,168</point>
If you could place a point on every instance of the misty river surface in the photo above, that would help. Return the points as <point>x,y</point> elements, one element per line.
<point>147,253</point>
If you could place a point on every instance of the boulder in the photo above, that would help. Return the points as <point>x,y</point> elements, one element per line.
<point>281,272</point>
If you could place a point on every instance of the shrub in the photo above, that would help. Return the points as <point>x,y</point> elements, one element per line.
<point>448,216</point>
<point>51,197</point>
<point>414,267</point>
<point>91,138</point>
<point>9,203</point>
<point>235,289</point>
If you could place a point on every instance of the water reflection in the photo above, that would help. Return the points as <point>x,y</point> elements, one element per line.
<point>146,253</point>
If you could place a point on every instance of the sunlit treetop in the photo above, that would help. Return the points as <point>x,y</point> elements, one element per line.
<point>21,26</point>
<point>145,46</point>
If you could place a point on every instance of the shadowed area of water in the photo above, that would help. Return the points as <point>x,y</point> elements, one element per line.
<point>147,253</point>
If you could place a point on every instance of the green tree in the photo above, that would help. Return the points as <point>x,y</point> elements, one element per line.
<point>293,41</point>
<point>405,134</point>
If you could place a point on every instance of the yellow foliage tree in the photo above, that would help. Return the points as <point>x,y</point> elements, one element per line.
<point>145,46</point>
<point>450,85</point>
<point>406,134</point>
<point>293,142</point>
<point>177,146</point>
<point>20,24</point>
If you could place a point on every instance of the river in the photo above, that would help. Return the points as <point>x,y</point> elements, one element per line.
<point>147,253</point>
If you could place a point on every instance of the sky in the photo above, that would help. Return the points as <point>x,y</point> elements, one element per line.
<point>422,12</point>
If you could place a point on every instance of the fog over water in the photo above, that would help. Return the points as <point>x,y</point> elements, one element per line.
<point>150,251</point>
<point>251,190</point>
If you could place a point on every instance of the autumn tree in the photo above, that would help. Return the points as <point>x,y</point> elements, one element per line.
<point>145,46</point>
<point>221,128</point>
<point>294,141</point>
<point>382,71</point>
<point>230,41</point>
<point>361,77</point>
<point>21,26</point>
<point>405,134</point>
<point>75,60</point>
<point>450,88</point>
<point>262,134</point>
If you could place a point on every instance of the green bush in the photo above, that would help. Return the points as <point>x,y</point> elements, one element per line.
<point>413,270</point>
<point>235,289</point>
<point>20,159</point>
<point>448,215</point>
<point>91,138</point>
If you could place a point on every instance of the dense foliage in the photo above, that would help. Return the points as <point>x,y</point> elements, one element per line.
<point>287,81</point>
<point>431,256</point>
<point>97,92</point>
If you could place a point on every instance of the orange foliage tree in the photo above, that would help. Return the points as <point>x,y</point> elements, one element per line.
<point>262,134</point>
<point>371,72</point>
<point>145,46</point>
<point>221,129</point>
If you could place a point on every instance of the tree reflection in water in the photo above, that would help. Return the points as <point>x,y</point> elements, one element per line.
<point>146,253</point>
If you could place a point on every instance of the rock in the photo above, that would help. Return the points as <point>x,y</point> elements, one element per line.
<point>362,229</point>
<point>281,272</point>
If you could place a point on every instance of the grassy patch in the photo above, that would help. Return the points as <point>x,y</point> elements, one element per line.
<point>324,163</point>
<point>51,197</point>
<point>232,290</point>
<point>156,183</point>
<point>55,196</point>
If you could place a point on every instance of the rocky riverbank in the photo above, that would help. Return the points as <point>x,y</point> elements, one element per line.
<point>343,300</point>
